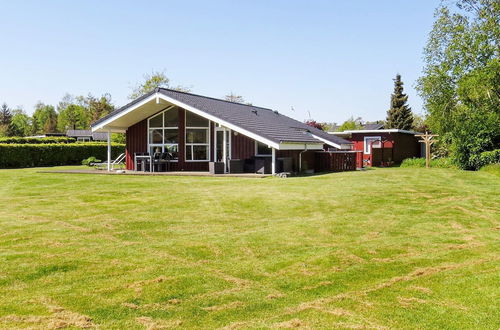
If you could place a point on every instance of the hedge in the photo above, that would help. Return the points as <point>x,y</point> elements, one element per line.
<point>487,158</point>
<point>420,162</point>
<point>37,140</point>
<point>31,155</point>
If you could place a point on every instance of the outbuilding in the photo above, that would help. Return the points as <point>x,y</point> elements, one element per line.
<point>382,147</point>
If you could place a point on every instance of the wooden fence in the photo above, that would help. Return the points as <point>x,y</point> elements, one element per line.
<point>336,161</point>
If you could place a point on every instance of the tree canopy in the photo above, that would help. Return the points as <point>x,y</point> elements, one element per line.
<point>154,80</point>
<point>461,81</point>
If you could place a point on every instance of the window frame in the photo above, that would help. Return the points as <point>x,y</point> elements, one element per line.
<point>191,145</point>
<point>367,147</point>
<point>262,155</point>
<point>163,128</point>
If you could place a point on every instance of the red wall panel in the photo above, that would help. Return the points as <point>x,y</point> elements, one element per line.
<point>136,141</point>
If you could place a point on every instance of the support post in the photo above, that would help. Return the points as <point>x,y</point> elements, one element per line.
<point>273,161</point>
<point>428,140</point>
<point>109,151</point>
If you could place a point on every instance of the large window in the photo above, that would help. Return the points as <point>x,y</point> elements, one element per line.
<point>163,132</point>
<point>262,149</point>
<point>371,142</point>
<point>197,137</point>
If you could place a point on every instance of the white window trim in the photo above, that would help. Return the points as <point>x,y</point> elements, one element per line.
<point>186,144</point>
<point>162,145</point>
<point>368,146</point>
<point>262,155</point>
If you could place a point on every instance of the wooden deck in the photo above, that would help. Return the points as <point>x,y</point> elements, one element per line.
<point>178,173</point>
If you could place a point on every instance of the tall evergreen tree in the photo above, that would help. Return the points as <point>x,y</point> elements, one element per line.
<point>5,115</point>
<point>399,115</point>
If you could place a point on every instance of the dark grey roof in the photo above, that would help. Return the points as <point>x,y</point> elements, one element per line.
<point>79,133</point>
<point>96,136</point>
<point>261,121</point>
<point>373,126</point>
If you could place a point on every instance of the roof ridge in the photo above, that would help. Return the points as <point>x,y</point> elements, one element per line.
<point>214,98</point>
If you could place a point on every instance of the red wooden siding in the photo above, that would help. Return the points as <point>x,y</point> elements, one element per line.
<point>242,147</point>
<point>397,147</point>
<point>335,161</point>
<point>136,141</point>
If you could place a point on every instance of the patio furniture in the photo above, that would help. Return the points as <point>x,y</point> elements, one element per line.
<point>165,160</point>
<point>236,165</point>
<point>144,160</point>
<point>162,160</point>
<point>104,165</point>
<point>263,165</point>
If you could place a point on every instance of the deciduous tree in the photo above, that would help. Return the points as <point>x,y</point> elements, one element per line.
<point>231,97</point>
<point>44,119</point>
<point>154,80</point>
<point>461,81</point>
<point>351,124</point>
<point>20,125</point>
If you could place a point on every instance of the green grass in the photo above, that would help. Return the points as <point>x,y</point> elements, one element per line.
<point>395,248</point>
<point>492,169</point>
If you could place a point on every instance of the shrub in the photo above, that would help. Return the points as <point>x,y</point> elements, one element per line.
<point>31,155</point>
<point>91,160</point>
<point>486,158</point>
<point>35,140</point>
<point>420,162</point>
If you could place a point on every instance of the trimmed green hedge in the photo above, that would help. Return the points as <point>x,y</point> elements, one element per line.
<point>420,162</point>
<point>35,140</point>
<point>32,155</point>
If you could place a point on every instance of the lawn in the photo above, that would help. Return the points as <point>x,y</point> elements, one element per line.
<point>394,248</point>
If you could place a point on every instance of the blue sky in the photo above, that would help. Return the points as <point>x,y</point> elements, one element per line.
<point>329,59</point>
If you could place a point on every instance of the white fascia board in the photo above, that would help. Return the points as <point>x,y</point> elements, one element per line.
<point>301,146</point>
<point>336,145</point>
<point>220,121</point>
<point>124,112</point>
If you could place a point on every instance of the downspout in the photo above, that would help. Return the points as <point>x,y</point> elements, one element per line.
<point>300,157</point>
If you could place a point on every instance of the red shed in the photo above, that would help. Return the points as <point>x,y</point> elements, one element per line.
<point>383,147</point>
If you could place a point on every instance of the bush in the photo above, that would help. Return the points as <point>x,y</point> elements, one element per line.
<point>31,155</point>
<point>91,160</point>
<point>486,158</point>
<point>35,140</point>
<point>420,162</point>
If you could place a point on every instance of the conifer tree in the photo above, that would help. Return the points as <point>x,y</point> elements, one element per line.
<point>5,115</point>
<point>399,115</point>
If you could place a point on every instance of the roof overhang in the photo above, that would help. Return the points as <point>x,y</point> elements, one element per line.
<point>330,143</point>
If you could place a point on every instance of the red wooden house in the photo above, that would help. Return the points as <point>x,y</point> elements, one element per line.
<point>382,147</point>
<point>201,133</point>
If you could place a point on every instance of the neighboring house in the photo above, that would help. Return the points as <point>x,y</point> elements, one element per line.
<point>335,128</point>
<point>381,147</point>
<point>198,130</point>
<point>86,135</point>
